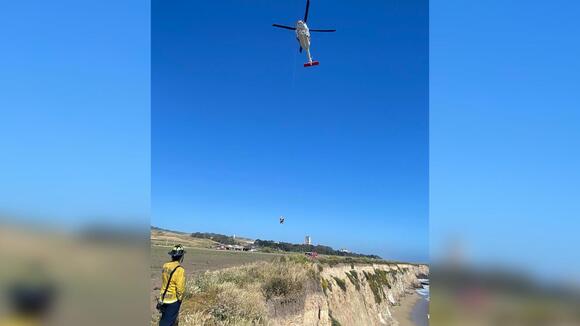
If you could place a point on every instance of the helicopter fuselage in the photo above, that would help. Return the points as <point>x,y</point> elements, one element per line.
<point>303,34</point>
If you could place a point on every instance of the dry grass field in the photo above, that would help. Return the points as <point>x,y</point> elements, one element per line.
<point>199,260</point>
<point>200,255</point>
<point>239,295</point>
<point>167,238</point>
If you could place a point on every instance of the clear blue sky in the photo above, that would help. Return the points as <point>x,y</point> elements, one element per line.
<point>74,125</point>
<point>242,133</point>
<point>504,138</point>
<point>505,133</point>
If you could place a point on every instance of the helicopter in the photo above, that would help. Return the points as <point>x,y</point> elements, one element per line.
<point>303,35</point>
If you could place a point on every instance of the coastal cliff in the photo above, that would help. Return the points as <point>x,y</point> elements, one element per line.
<point>295,291</point>
<point>352,295</point>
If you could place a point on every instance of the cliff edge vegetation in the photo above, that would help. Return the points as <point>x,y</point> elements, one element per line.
<point>294,290</point>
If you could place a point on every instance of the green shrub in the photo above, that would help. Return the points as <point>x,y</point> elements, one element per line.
<point>382,277</point>
<point>277,287</point>
<point>377,281</point>
<point>353,277</point>
<point>293,258</point>
<point>341,283</point>
<point>326,285</point>
<point>333,321</point>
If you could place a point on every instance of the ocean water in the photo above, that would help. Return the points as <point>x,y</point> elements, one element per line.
<point>424,292</point>
<point>420,313</point>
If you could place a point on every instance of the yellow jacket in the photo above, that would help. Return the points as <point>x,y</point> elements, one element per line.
<point>177,286</point>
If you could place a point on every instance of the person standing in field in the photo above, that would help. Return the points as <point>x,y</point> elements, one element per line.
<point>172,289</point>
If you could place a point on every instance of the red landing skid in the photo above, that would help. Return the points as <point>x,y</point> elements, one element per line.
<point>310,64</point>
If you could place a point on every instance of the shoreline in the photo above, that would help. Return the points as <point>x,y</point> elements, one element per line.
<point>403,313</point>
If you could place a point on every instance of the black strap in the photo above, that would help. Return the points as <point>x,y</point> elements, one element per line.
<point>169,282</point>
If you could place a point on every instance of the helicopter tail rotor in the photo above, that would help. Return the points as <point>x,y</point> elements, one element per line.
<point>310,64</point>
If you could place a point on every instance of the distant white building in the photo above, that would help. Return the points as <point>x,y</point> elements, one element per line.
<point>307,240</point>
<point>235,247</point>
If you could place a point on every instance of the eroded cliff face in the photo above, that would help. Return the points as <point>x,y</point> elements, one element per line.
<point>349,295</point>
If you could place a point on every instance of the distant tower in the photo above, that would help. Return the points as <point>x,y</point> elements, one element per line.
<point>307,240</point>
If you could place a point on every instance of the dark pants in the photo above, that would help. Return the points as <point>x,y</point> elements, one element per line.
<point>169,314</point>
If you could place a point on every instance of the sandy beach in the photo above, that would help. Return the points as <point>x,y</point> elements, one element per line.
<point>403,313</point>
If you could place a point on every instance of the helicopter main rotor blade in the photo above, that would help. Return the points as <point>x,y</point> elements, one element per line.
<point>323,30</point>
<point>285,27</point>
<point>306,13</point>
